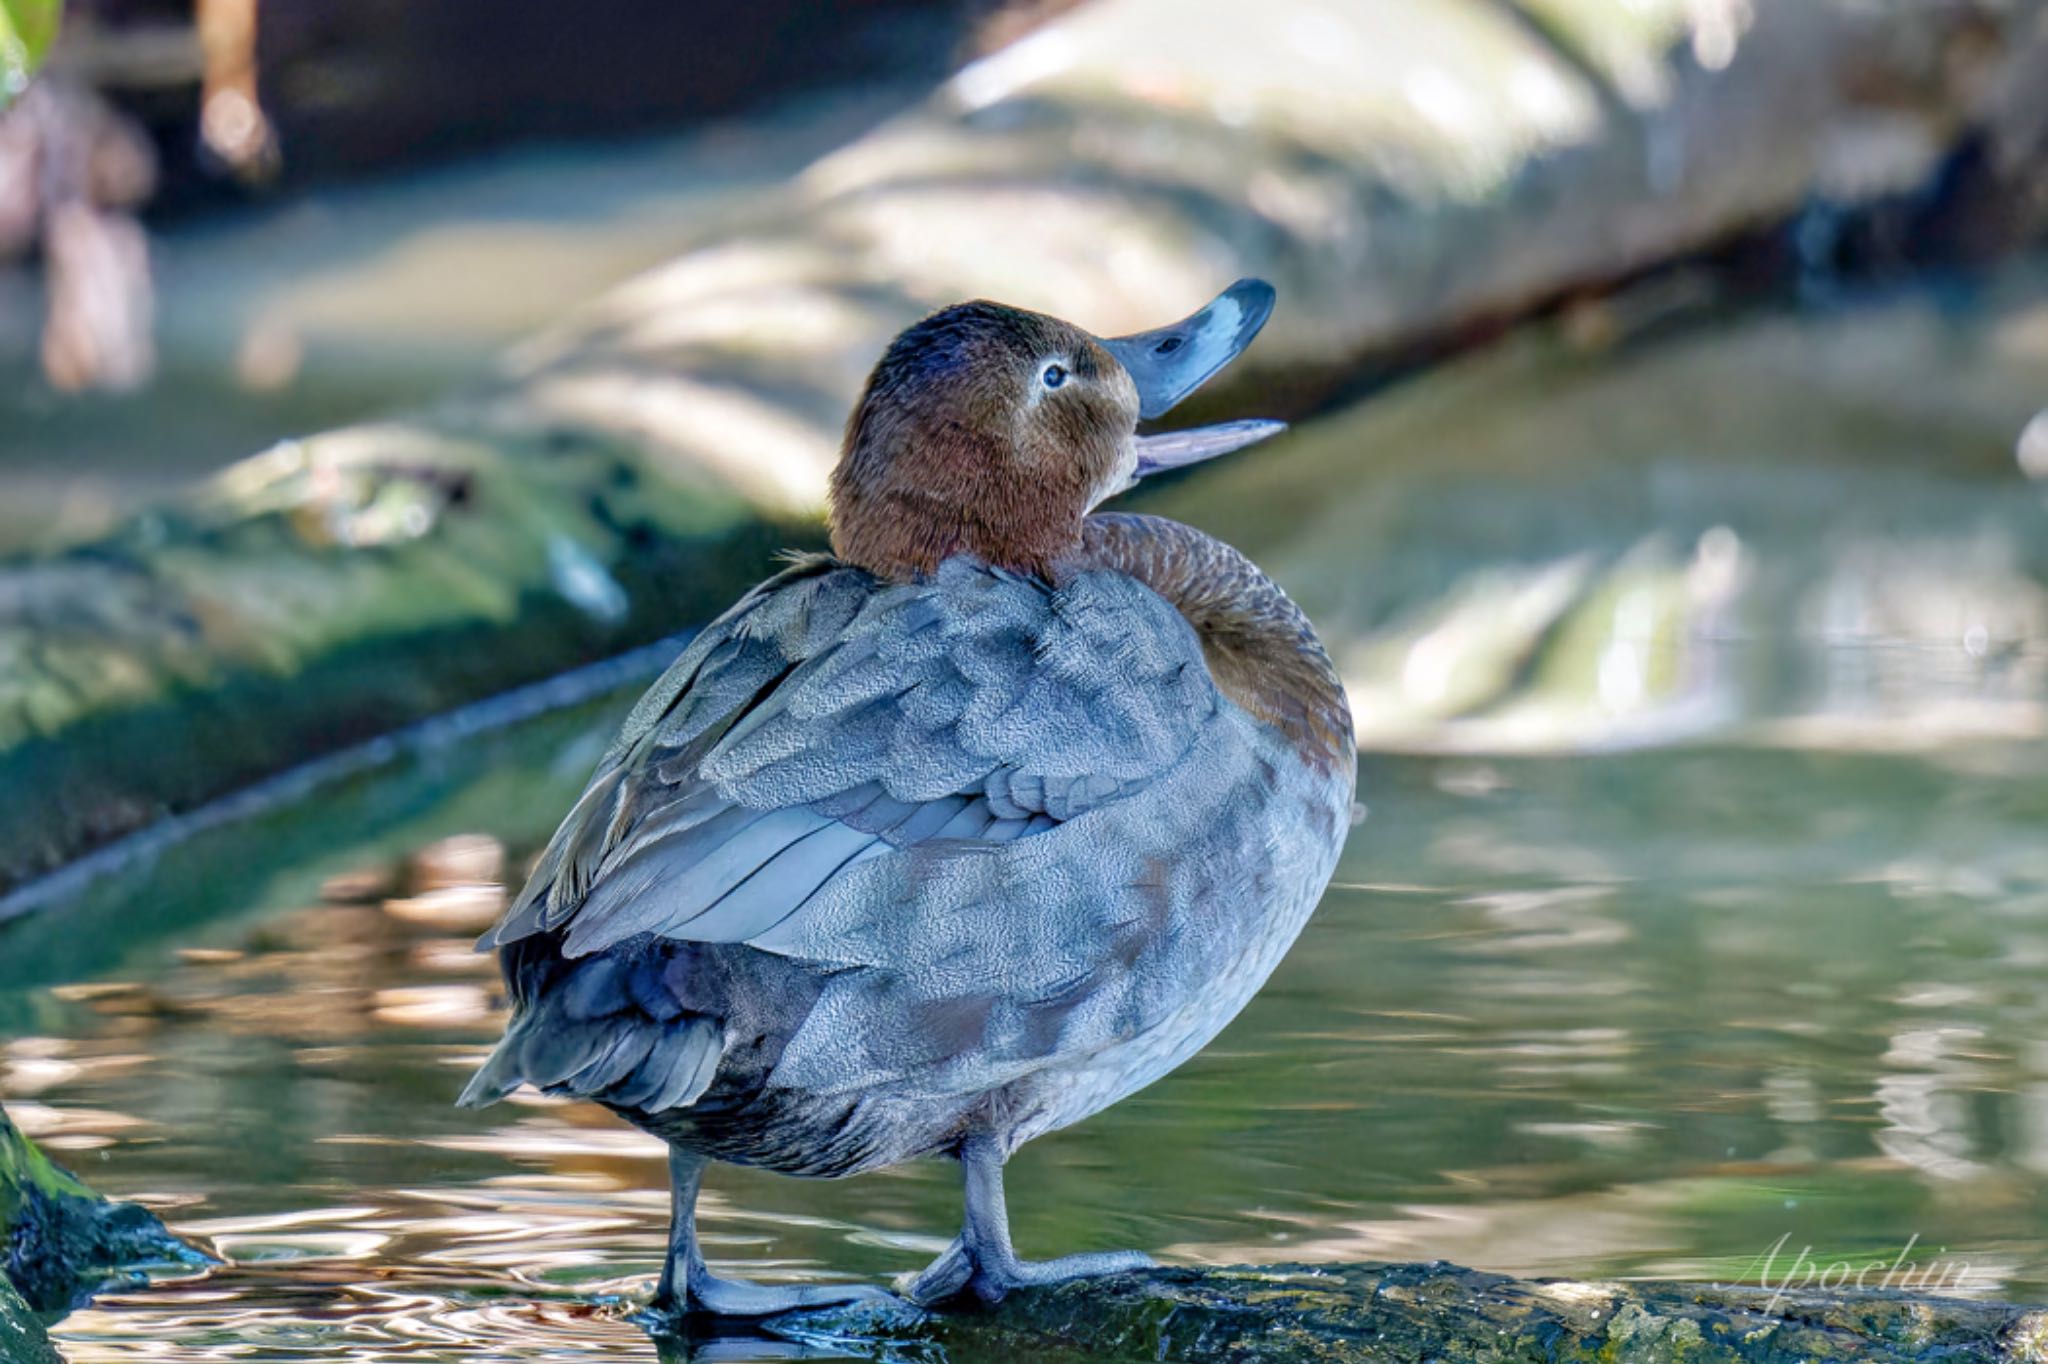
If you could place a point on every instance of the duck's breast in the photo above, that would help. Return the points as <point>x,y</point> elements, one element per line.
<point>1234,855</point>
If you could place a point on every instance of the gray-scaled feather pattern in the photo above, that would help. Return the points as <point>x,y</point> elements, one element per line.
<point>869,854</point>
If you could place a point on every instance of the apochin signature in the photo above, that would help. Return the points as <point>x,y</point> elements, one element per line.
<point>1901,1273</point>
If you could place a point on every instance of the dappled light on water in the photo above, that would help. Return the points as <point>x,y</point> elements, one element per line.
<point>1641,1014</point>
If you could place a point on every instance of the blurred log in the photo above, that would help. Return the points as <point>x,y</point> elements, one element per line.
<point>61,1240</point>
<point>331,590</point>
<point>1406,172</point>
<point>1583,539</point>
<point>1298,1313</point>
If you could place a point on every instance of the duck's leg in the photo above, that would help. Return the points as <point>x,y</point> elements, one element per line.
<point>983,1261</point>
<point>687,1283</point>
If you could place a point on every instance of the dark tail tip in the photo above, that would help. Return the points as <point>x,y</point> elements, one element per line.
<point>489,1084</point>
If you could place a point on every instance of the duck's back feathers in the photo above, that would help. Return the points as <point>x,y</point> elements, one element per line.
<point>889,786</point>
<point>829,719</point>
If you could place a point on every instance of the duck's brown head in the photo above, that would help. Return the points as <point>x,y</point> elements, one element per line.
<point>990,431</point>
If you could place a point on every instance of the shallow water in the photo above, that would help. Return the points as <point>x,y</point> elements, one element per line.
<point>1641,1014</point>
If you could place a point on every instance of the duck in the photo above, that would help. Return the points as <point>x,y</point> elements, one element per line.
<point>957,834</point>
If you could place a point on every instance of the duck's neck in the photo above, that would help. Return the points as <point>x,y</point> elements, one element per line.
<point>1260,648</point>
<point>904,534</point>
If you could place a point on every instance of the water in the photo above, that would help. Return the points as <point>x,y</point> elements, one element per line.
<point>1644,1014</point>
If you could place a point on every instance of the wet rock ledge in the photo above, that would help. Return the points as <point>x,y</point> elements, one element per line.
<point>1294,1314</point>
<point>22,1340</point>
<point>59,1241</point>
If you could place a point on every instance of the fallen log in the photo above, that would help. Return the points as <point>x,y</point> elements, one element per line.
<point>1404,172</point>
<point>1291,1314</point>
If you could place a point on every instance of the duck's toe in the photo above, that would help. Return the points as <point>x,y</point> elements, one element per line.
<point>959,1273</point>
<point>713,1296</point>
<point>943,1279</point>
<point>1040,1273</point>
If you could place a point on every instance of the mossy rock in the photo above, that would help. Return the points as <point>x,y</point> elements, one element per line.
<point>61,1239</point>
<point>1302,1314</point>
<point>22,1338</point>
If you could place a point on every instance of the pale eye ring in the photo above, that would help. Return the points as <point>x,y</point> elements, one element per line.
<point>1052,376</point>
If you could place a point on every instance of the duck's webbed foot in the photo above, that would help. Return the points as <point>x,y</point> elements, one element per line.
<point>961,1272</point>
<point>707,1293</point>
<point>982,1262</point>
<point>689,1287</point>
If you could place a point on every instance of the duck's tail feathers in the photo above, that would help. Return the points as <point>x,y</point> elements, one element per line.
<point>626,1060</point>
<point>497,1077</point>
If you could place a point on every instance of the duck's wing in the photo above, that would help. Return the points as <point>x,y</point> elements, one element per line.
<point>828,721</point>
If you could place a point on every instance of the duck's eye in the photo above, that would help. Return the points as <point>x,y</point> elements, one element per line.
<point>1053,376</point>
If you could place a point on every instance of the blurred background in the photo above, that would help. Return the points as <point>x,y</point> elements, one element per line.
<point>382,384</point>
<point>196,201</point>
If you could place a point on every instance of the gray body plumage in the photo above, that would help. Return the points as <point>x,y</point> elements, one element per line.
<point>874,865</point>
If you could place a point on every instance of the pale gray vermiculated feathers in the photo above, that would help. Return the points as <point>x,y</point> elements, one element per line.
<point>921,790</point>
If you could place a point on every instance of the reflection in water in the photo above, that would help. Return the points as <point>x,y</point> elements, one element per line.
<point>1640,1014</point>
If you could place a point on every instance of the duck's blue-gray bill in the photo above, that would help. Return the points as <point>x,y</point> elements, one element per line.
<point>1171,362</point>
